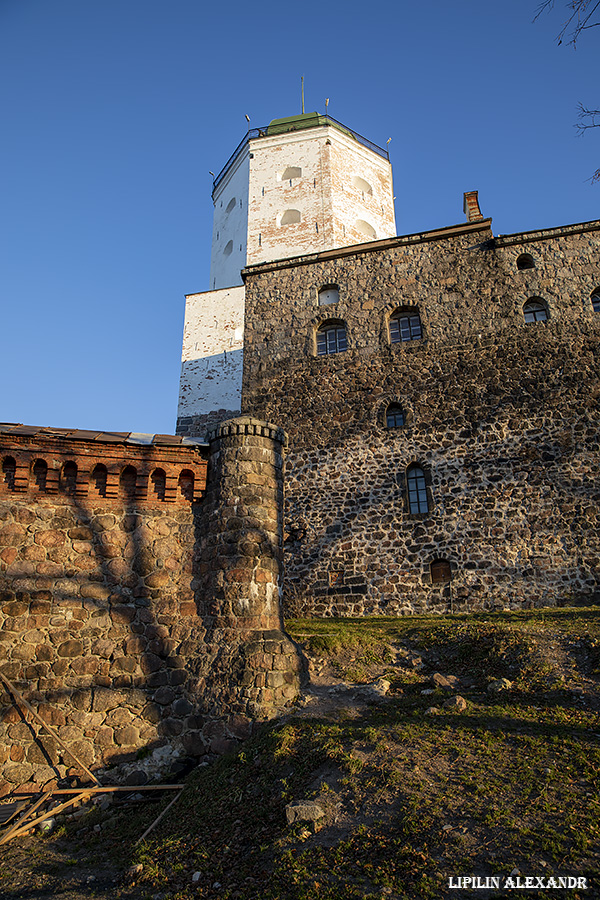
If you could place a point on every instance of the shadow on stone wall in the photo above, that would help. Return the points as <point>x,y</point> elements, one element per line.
<point>132,628</point>
<point>514,509</point>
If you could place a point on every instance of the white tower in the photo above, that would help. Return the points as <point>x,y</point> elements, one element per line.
<point>301,185</point>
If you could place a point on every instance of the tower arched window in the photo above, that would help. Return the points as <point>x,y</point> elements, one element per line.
<point>230,205</point>
<point>417,490</point>
<point>362,185</point>
<point>228,248</point>
<point>329,294</point>
<point>596,300</point>
<point>394,416</point>
<point>364,228</point>
<point>290,173</point>
<point>405,325</point>
<point>290,217</point>
<point>159,483</point>
<point>525,261</point>
<point>331,338</point>
<point>535,310</point>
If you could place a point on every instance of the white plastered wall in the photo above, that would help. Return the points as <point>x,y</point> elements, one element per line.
<point>271,196</point>
<point>325,194</point>
<point>211,359</point>
<point>230,225</point>
<point>353,167</point>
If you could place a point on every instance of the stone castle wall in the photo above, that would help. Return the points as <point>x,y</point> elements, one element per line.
<point>500,415</point>
<point>110,609</point>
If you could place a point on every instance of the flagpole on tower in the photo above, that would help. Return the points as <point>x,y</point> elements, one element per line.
<point>302,80</point>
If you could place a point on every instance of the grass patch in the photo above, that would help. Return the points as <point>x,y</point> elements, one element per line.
<point>409,799</point>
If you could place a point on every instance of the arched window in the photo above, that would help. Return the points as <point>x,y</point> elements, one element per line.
<point>364,228</point>
<point>394,416</point>
<point>535,310</point>
<point>331,338</point>
<point>228,248</point>
<point>417,490</point>
<point>127,483</point>
<point>9,469</point>
<point>525,261</point>
<point>159,483</point>
<point>40,474</point>
<point>405,325</point>
<point>68,478</point>
<point>440,571</point>
<point>291,172</point>
<point>361,185</point>
<point>230,205</point>
<point>329,295</point>
<point>99,479</point>
<point>290,217</point>
<point>596,300</point>
<point>186,484</point>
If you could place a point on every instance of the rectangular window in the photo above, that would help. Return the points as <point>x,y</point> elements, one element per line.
<point>417,491</point>
<point>405,328</point>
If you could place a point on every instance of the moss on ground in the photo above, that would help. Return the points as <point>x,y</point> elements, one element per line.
<point>409,798</point>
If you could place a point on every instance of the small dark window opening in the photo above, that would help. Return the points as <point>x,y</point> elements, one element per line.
<point>186,484</point>
<point>405,327</point>
<point>417,490</point>
<point>9,469</point>
<point>68,480</point>
<point>99,479</point>
<point>596,301</point>
<point>331,340</point>
<point>440,572</point>
<point>159,482</point>
<point>394,417</point>
<point>525,261</point>
<point>127,482</point>
<point>535,311</point>
<point>40,474</point>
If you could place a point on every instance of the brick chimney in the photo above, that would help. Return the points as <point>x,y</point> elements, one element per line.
<point>471,207</point>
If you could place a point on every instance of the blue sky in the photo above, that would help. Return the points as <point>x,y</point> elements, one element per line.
<point>114,111</point>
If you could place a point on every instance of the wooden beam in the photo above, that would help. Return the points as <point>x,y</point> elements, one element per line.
<point>48,728</point>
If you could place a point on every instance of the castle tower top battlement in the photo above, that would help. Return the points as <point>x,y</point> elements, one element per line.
<point>300,185</point>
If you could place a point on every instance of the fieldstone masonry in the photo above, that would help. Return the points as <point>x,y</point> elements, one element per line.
<point>134,619</point>
<point>241,565</point>
<point>500,415</point>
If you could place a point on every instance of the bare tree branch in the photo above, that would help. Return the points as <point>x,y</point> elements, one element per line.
<point>589,114</point>
<point>579,18</point>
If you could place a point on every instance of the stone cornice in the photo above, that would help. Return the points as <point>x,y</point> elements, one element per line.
<point>544,234</point>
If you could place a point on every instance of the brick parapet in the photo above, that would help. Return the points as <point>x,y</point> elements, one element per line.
<point>55,452</point>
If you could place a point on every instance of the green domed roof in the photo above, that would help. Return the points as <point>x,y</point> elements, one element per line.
<point>295,123</point>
